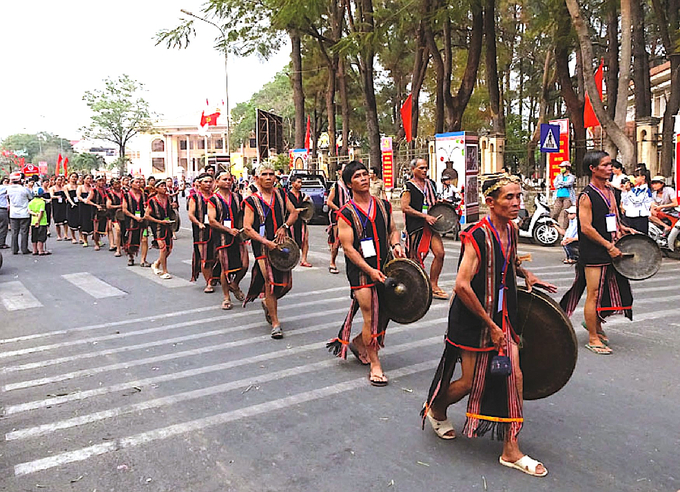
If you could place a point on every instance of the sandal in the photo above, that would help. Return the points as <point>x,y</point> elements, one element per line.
<point>45,253</point>
<point>441,427</point>
<point>239,295</point>
<point>145,264</point>
<point>440,294</point>
<point>601,334</point>
<point>305,264</point>
<point>117,255</point>
<point>525,464</point>
<point>377,381</point>
<point>131,262</point>
<point>599,349</point>
<point>277,333</point>
<point>166,276</point>
<point>333,270</point>
<point>112,249</point>
<point>226,305</point>
<point>208,289</point>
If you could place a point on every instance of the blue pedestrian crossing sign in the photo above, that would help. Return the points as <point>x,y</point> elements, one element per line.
<point>550,138</point>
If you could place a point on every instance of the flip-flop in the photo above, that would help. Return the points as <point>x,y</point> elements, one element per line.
<point>208,289</point>
<point>333,270</point>
<point>227,305</point>
<point>599,349</point>
<point>166,276</point>
<point>305,264</point>
<point>377,382</point>
<point>440,294</point>
<point>277,333</point>
<point>603,337</point>
<point>117,255</point>
<point>353,348</point>
<point>441,427</point>
<point>131,262</point>
<point>525,464</point>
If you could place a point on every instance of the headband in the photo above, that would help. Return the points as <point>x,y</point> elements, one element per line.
<point>502,181</point>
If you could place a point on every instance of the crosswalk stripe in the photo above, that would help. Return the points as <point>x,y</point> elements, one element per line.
<point>44,429</point>
<point>85,394</point>
<point>147,273</point>
<point>15,296</point>
<point>203,423</point>
<point>138,362</point>
<point>92,285</point>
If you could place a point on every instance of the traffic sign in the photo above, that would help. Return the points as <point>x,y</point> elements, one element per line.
<point>550,138</point>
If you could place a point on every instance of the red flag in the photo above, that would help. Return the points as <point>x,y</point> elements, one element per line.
<point>66,167</point>
<point>406,109</point>
<point>589,117</point>
<point>203,122</point>
<point>56,168</point>
<point>308,134</point>
<point>210,119</point>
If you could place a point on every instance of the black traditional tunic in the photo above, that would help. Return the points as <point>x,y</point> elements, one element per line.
<point>268,218</point>
<point>419,232</point>
<point>59,207</point>
<point>86,215</point>
<point>162,233</point>
<point>72,212</point>
<point>204,250</point>
<point>494,403</point>
<point>371,226</point>
<point>100,217</point>
<point>230,251</point>
<point>134,229</point>
<point>299,227</point>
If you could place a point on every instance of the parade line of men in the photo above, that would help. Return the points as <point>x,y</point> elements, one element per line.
<point>482,314</point>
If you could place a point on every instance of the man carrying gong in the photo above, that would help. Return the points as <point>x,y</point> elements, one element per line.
<point>481,332</point>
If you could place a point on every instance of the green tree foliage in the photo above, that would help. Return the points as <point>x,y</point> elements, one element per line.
<point>84,162</point>
<point>35,147</point>
<point>119,113</point>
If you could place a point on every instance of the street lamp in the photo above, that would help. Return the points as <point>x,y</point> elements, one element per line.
<point>226,70</point>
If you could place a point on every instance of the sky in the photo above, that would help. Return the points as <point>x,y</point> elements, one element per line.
<point>55,51</point>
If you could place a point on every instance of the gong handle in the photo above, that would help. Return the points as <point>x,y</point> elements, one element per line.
<point>396,286</point>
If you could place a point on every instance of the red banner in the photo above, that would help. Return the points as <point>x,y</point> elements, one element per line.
<point>30,170</point>
<point>557,158</point>
<point>388,169</point>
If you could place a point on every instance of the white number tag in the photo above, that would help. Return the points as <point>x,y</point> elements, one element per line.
<point>75,199</point>
<point>368,248</point>
<point>206,220</point>
<point>263,230</point>
<point>138,213</point>
<point>611,222</point>
<point>227,223</point>
<point>58,199</point>
<point>425,208</point>
<point>500,299</point>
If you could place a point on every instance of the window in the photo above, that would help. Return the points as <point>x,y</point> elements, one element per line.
<point>182,145</point>
<point>201,144</point>
<point>191,144</point>
<point>158,164</point>
<point>252,143</point>
<point>158,145</point>
<point>183,163</point>
<point>219,144</point>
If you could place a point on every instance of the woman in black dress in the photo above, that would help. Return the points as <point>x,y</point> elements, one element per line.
<point>59,208</point>
<point>86,210</point>
<point>72,212</point>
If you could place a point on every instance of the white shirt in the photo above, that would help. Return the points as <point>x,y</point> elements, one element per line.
<point>637,202</point>
<point>18,201</point>
<point>572,229</point>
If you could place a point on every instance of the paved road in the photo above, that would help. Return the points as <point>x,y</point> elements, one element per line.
<point>115,380</point>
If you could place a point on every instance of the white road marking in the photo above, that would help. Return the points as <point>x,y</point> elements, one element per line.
<point>44,429</point>
<point>206,422</point>
<point>172,283</point>
<point>82,395</point>
<point>92,285</point>
<point>15,296</point>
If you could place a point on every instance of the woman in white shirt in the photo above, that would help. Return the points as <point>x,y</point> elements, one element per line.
<point>637,202</point>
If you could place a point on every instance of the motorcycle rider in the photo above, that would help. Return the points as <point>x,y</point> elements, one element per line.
<point>448,192</point>
<point>664,199</point>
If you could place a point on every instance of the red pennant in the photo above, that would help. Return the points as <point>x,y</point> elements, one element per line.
<point>308,134</point>
<point>406,110</point>
<point>589,117</point>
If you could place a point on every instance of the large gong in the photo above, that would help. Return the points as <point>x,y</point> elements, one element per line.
<point>285,256</point>
<point>447,217</point>
<point>407,293</point>
<point>549,348</point>
<point>641,257</point>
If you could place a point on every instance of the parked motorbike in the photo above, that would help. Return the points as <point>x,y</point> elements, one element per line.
<point>670,243</point>
<point>539,226</point>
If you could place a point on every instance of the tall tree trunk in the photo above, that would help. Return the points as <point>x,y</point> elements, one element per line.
<point>613,130</point>
<point>344,105</point>
<point>624,68</point>
<point>439,76</point>
<point>612,57</point>
<point>497,114</point>
<point>298,92</point>
<point>421,59</point>
<point>330,108</point>
<point>643,92</point>
<point>667,22</point>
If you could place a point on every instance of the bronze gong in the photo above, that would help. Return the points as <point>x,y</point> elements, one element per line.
<point>406,294</point>
<point>285,256</point>
<point>549,349</point>
<point>447,217</point>
<point>641,257</point>
<point>307,212</point>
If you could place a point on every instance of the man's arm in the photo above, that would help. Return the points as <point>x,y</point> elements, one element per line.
<point>409,210</point>
<point>346,236</point>
<point>395,241</point>
<point>329,200</point>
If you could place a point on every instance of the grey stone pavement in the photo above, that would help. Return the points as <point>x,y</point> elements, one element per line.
<point>112,379</point>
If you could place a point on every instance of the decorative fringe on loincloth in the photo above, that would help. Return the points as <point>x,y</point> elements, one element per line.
<point>338,346</point>
<point>418,245</point>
